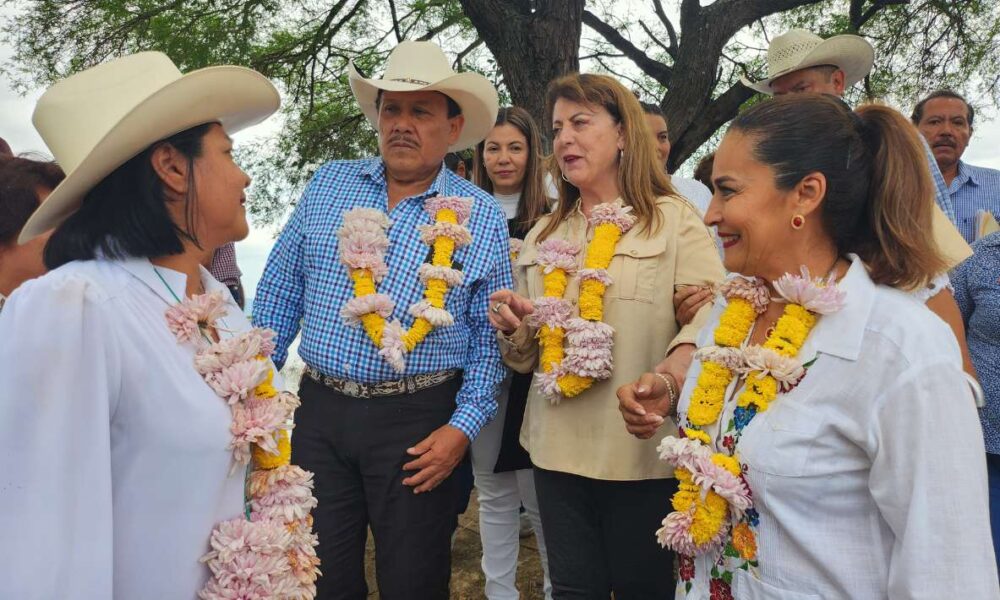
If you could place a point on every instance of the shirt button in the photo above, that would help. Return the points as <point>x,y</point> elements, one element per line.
<point>633,252</point>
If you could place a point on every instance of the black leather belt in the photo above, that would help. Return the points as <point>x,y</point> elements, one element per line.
<point>405,385</point>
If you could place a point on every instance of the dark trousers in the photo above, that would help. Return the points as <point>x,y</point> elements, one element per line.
<point>993,472</point>
<point>601,536</point>
<point>356,449</point>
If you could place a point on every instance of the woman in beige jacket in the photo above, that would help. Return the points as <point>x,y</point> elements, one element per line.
<point>593,311</point>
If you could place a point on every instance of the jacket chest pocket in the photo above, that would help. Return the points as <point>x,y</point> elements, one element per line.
<point>634,269</point>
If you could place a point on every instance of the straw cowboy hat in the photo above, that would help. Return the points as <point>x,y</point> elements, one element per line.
<point>422,66</point>
<point>96,120</point>
<point>799,49</point>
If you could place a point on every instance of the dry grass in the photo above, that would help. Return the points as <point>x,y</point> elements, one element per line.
<point>466,575</point>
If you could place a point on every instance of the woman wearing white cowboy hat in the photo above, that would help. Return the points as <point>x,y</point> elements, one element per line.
<point>120,456</point>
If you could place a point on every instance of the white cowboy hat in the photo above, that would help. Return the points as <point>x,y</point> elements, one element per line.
<point>96,120</point>
<point>800,49</point>
<point>422,66</point>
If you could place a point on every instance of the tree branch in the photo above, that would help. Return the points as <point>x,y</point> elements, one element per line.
<point>671,32</point>
<point>656,40</point>
<point>433,31</point>
<point>858,20</point>
<point>461,55</point>
<point>395,20</point>
<point>655,69</point>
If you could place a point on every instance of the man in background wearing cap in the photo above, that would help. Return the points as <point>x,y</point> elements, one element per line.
<point>383,435</point>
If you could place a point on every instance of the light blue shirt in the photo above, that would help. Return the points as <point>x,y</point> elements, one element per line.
<point>974,189</point>
<point>305,285</point>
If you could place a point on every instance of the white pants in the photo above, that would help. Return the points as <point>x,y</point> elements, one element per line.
<point>500,498</point>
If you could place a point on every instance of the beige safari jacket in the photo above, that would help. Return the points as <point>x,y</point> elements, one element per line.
<point>585,435</point>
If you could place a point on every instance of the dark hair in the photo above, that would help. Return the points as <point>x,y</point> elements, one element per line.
<point>453,108</point>
<point>918,110</point>
<point>879,194</point>
<point>703,172</point>
<point>126,215</point>
<point>5,148</point>
<point>451,161</point>
<point>20,180</point>
<point>651,109</point>
<point>533,202</point>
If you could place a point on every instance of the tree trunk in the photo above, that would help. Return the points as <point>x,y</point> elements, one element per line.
<point>533,41</point>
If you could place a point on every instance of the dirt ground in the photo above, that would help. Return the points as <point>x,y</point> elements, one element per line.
<point>466,574</point>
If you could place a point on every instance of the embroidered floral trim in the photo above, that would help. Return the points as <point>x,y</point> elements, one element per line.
<point>271,551</point>
<point>712,510</point>
<point>363,244</point>
<point>575,352</point>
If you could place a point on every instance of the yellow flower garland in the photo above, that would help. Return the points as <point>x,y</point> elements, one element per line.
<point>263,459</point>
<point>600,251</point>
<point>710,392</point>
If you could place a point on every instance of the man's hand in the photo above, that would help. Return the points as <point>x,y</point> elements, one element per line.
<point>439,454</point>
<point>644,404</point>
<point>688,300</point>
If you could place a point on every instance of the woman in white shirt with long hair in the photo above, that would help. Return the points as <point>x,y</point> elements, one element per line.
<point>828,443</point>
<point>508,164</point>
<point>145,447</point>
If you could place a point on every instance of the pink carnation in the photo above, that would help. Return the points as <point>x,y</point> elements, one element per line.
<point>588,348</point>
<point>751,289</point>
<point>557,254</point>
<point>548,385</point>
<point>186,318</point>
<point>731,358</point>
<point>787,371</point>
<point>516,245</point>
<point>235,382</point>
<point>453,277</point>
<point>359,306</point>
<point>461,206</point>
<point>676,533</point>
<point>458,233</point>
<point>365,250</point>
<point>597,275</point>
<point>224,353</point>
<point>615,213</point>
<point>283,494</point>
<point>817,295</point>
<point>248,560</point>
<point>554,312</point>
<point>366,217</point>
<point>393,347</point>
<point>256,423</point>
<point>438,317</point>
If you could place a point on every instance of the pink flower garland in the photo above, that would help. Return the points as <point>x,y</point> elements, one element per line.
<point>271,553</point>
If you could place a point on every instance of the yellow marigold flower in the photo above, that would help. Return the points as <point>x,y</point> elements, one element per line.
<point>709,517</point>
<point>735,323</point>
<point>554,283</point>
<point>417,332</point>
<point>363,282</point>
<point>374,324</point>
<point>745,542</point>
<point>727,462</point>
<point>444,246</point>
<point>265,390</point>
<point>592,300</point>
<point>697,434</point>
<point>602,247</point>
<point>434,292</point>
<point>759,391</point>
<point>550,341</point>
<point>446,215</point>
<point>267,461</point>
<point>709,394</point>
<point>573,385</point>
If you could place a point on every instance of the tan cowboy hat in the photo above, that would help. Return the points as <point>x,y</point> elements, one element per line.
<point>96,120</point>
<point>800,49</point>
<point>422,66</point>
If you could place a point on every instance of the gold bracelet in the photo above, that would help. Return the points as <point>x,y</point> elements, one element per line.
<point>671,391</point>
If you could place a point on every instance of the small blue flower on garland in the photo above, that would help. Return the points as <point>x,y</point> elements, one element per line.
<point>752,517</point>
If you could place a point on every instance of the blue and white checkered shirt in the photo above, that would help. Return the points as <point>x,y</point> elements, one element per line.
<point>305,284</point>
<point>974,189</point>
<point>941,195</point>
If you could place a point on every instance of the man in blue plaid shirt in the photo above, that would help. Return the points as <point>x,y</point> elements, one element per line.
<point>383,444</point>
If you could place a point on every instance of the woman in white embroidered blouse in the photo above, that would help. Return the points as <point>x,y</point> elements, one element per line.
<point>860,474</point>
<point>116,462</point>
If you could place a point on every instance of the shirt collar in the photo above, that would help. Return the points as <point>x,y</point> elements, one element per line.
<point>842,333</point>
<point>967,173</point>
<point>375,170</point>
<point>159,279</point>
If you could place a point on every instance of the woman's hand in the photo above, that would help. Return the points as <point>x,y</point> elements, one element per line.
<point>508,309</point>
<point>645,404</point>
<point>688,300</point>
